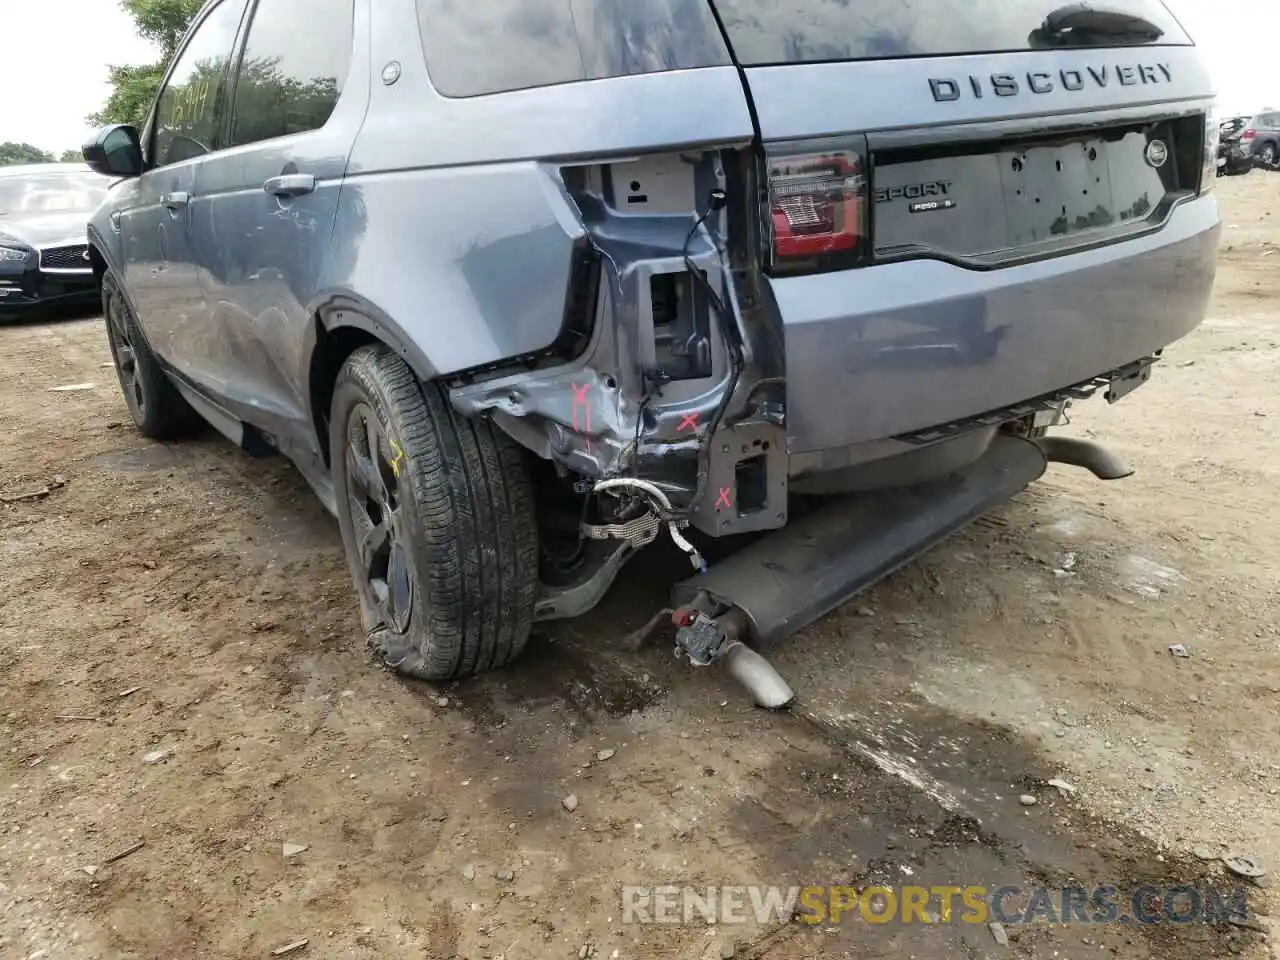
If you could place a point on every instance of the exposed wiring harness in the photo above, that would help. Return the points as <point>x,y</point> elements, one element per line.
<point>662,506</point>
<point>653,493</point>
<point>658,499</point>
<point>716,201</point>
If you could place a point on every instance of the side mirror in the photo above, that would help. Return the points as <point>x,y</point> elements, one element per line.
<point>115,151</point>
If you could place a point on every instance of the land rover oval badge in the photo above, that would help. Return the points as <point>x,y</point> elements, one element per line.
<point>1157,153</point>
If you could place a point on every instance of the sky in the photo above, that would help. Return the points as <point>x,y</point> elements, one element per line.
<point>61,48</point>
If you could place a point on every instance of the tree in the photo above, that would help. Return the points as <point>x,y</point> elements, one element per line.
<point>132,91</point>
<point>14,153</point>
<point>71,156</point>
<point>163,22</point>
<point>133,88</point>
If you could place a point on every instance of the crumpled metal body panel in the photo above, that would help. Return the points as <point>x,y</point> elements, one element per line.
<point>599,416</point>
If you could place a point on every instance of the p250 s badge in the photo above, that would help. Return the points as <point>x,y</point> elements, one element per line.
<point>925,197</point>
<point>926,190</point>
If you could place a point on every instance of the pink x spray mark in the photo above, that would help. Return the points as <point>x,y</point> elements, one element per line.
<point>580,402</point>
<point>723,499</point>
<point>690,422</point>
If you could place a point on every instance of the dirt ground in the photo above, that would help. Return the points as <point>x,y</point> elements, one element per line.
<point>181,665</point>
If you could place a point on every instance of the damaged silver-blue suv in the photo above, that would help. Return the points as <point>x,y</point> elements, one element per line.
<point>520,287</point>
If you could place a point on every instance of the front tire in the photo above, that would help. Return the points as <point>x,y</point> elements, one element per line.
<point>159,411</point>
<point>437,521</point>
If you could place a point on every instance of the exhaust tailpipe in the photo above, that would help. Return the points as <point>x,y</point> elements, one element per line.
<point>758,675</point>
<point>706,639</point>
<point>1094,457</point>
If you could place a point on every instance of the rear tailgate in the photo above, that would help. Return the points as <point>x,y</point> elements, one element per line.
<point>1029,214</point>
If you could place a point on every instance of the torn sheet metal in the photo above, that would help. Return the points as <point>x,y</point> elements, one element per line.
<point>635,405</point>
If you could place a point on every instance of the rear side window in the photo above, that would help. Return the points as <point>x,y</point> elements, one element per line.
<point>476,47</point>
<point>293,68</point>
<point>797,31</point>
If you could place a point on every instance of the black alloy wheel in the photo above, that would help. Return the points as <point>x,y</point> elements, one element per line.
<point>157,408</point>
<point>124,353</point>
<point>373,467</point>
<point>438,522</point>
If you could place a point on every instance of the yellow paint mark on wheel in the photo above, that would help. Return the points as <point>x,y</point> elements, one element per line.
<point>397,458</point>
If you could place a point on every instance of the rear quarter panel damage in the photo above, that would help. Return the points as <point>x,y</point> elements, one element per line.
<point>467,239</point>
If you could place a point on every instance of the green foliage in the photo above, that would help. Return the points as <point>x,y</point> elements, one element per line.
<point>71,156</point>
<point>14,153</point>
<point>163,22</point>
<point>133,89</point>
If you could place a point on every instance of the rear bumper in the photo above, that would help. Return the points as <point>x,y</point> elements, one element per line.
<point>893,349</point>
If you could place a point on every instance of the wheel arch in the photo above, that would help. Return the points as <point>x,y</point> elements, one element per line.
<point>103,257</point>
<point>340,326</point>
<point>98,262</point>
<point>100,252</point>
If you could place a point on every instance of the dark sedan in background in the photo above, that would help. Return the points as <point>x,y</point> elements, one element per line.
<point>44,251</point>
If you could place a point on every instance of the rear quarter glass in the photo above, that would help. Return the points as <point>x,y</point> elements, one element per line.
<point>764,32</point>
<point>477,47</point>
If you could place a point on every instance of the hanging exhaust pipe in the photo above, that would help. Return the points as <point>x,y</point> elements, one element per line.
<point>706,638</point>
<point>758,675</point>
<point>785,581</point>
<point>1094,457</point>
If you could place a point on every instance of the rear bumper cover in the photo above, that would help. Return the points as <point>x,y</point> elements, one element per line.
<point>893,349</point>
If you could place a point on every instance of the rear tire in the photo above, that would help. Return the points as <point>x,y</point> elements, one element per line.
<point>159,411</point>
<point>437,519</point>
<point>1268,154</point>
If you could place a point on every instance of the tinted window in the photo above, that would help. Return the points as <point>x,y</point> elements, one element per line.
<point>51,193</point>
<point>189,110</point>
<point>769,31</point>
<point>295,63</point>
<point>486,46</point>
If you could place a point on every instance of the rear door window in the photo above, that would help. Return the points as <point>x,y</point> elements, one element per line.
<point>764,32</point>
<point>477,47</point>
<point>290,78</point>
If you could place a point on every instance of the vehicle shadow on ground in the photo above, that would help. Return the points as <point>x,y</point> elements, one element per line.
<point>38,315</point>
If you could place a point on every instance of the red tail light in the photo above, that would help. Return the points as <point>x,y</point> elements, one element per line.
<point>817,206</point>
<point>1249,134</point>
